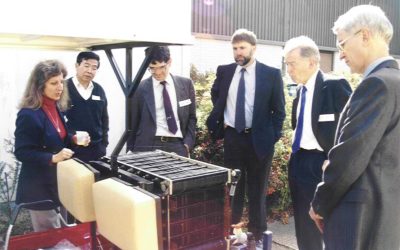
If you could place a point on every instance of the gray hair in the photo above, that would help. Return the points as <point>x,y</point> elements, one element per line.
<point>245,35</point>
<point>307,47</point>
<point>365,16</point>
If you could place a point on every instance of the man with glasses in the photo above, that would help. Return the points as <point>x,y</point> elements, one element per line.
<point>315,114</point>
<point>357,204</point>
<point>88,107</point>
<point>163,109</point>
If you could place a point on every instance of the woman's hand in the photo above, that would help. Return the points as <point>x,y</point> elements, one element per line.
<point>64,154</point>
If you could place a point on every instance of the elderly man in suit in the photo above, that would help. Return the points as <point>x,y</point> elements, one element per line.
<point>315,114</point>
<point>357,203</point>
<point>249,109</point>
<point>163,109</point>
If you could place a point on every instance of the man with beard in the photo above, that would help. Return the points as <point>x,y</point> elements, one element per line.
<point>249,110</point>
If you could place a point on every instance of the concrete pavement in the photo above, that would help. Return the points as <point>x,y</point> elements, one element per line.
<point>283,235</point>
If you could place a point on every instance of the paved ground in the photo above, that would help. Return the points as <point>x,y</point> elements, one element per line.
<point>283,235</point>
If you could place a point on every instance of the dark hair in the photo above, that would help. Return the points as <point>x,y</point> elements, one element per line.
<point>86,55</point>
<point>241,35</point>
<point>160,54</point>
<point>40,74</point>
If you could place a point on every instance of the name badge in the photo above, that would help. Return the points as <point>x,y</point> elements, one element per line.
<point>326,118</point>
<point>96,97</point>
<point>185,103</point>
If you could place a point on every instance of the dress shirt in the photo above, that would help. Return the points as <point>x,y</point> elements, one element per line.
<point>250,82</point>
<point>373,65</point>
<point>308,139</point>
<point>84,92</point>
<point>161,121</point>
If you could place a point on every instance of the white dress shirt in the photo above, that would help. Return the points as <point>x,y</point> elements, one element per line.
<point>308,139</point>
<point>84,92</point>
<point>161,121</point>
<point>250,83</point>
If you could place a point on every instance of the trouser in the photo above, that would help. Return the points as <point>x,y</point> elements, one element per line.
<point>239,154</point>
<point>305,172</point>
<point>43,220</point>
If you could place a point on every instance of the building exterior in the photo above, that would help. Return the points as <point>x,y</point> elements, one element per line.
<point>274,22</point>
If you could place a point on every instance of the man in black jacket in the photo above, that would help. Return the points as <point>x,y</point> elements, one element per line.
<point>315,114</point>
<point>88,108</point>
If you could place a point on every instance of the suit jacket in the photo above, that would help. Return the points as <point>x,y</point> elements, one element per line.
<point>143,115</point>
<point>329,98</point>
<point>268,110</point>
<point>36,140</point>
<point>361,185</point>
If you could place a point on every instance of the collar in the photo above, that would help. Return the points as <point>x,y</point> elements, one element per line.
<point>79,85</point>
<point>250,69</point>
<point>310,84</point>
<point>375,63</point>
<point>168,79</point>
<point>49,103</point>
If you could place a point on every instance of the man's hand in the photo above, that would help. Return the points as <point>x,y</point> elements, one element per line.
<point>187,150</point>
<point>319,221</point>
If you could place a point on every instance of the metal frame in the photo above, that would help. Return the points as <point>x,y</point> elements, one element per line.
<point>128,85</point>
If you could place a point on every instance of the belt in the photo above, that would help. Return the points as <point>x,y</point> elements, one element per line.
<point>245,131</point>
<point>167,139</point>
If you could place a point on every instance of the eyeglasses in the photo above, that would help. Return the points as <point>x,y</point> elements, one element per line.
<point>154,69</point>
<point>340,45</point>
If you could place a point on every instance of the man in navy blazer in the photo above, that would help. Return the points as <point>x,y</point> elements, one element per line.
<point>249,140</point>
<point>323,100</point>
<point>150,126</point>
<point>357,203</point>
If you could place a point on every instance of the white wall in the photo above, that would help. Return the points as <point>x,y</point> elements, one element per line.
<point>207,54</point>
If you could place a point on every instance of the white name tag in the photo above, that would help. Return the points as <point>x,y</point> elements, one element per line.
<point>326,118</point>
<point>96,97</point>
<point>185,103</point>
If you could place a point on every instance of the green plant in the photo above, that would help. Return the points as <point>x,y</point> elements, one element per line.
<point>9,173</point>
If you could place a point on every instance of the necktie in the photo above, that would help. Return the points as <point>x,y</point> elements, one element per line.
<point>299,126</point>
<point>169,113</point>
<point>240,118</point>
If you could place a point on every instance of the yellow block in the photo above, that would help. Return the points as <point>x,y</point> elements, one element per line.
<point>125,216</point>
<point>75,183</point>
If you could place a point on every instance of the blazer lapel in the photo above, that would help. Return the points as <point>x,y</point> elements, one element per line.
<point>260,89</point>
<point>179,90</point>
<point>294,108</point>
<point>316,103</point>
<point>148,94</point>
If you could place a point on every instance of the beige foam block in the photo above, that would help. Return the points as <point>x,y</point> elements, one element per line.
<point>75,183</point>
<point>125,216</point>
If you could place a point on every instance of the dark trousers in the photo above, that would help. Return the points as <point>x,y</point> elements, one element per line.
<point>239,154</point>
<point>305,172</point>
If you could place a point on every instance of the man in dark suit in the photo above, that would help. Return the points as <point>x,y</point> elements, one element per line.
<point>249,109</point>
<point>357,204</point>
<point>315,114</point>
<point>163,109</point>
